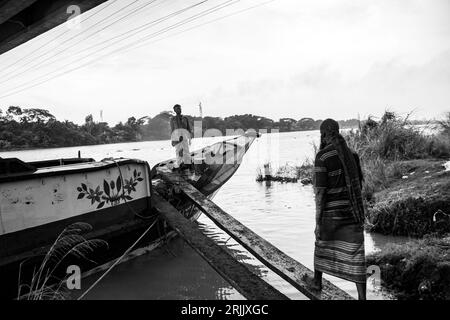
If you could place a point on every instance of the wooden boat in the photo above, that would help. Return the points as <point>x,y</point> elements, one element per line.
<point>211,167</point>
<point>37,204</point>
<point>39,199</point>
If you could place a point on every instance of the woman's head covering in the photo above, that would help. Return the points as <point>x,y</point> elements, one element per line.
<point>329,127</point>
<point>329,132</point>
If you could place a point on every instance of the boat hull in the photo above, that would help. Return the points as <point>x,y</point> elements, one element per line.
<point>113,196</point>
<point>35,208</point>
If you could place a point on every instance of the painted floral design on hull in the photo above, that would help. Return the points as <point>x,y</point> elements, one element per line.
<point>113,191</point>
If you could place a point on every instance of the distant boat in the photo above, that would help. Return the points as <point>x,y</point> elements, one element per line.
<point>39,199</point>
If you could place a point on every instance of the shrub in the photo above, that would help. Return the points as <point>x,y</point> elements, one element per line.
<point>418,269</point>
<point>286,173</point>
<point>392,138</point>
<point>445,124</point>
<point>410,216</point>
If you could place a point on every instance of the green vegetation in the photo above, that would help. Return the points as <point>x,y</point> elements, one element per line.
<point>445,124</point>
<point>22,128</point>
<point>408,193</point>
<point>405,181</point>
<point>412,198</point>
<point>419,269</point>
<point>38,128</point>
<point>286,173</point>
<point>48,281</point>
<point>392,138</point>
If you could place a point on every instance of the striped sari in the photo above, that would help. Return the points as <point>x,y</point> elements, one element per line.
<point>339,250</point>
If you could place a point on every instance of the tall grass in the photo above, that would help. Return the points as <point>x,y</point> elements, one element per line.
<point>45,283</point>
<point>445,124</point>
<point>288,172</point>
<point>392,138</point>
<point>382,144</point>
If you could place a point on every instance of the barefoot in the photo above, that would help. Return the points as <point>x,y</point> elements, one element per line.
<point>311,282</point>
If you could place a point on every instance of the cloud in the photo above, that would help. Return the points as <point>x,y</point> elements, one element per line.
<point>289,58</point>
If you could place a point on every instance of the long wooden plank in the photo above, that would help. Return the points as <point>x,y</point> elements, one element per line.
<point>238,275</point>
<point>276,260</point>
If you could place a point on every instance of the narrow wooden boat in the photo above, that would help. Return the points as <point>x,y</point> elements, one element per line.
<point>211,167</point>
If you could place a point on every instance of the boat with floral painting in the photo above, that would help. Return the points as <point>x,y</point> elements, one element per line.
<point>114,196</point>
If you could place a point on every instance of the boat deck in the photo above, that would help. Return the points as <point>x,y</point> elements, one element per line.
<point>67,169</point>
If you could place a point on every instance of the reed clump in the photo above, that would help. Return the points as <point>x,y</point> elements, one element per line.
<point>286,173</point>
<point>444,124</point>
<point>418,269</point>
<point>49,279</point>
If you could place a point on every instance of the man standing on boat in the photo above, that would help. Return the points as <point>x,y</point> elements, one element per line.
<point>339,246</point>
<point>181,134</point>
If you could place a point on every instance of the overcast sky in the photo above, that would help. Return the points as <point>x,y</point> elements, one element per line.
<point>287,58</point>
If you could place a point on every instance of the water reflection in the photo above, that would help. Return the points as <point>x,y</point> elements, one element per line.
<point>173,272</point>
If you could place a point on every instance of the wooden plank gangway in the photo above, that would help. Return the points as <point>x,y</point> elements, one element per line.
<point>238,275</point>
<point>286,267</point>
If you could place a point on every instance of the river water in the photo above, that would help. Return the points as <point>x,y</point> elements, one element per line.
<point>282,213</point>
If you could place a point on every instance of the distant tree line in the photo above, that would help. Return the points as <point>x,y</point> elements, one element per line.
<point>23,128</point>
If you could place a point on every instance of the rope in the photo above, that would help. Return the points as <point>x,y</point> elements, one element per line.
<point>117,261</point>
<point>134,244</point>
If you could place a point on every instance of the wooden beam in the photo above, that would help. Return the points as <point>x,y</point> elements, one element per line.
<point>286,267</point>
<point>48,16</point>
<point>10,8</point>
<point>237,274</point>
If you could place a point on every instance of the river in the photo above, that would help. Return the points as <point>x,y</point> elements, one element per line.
<point>282,213</point>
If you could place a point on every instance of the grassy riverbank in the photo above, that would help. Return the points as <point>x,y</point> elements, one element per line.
<point>406,185</point>
<point>414,202</point>
<point>407,192</point>
<point>407,189</point>
<point>419,269</point>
